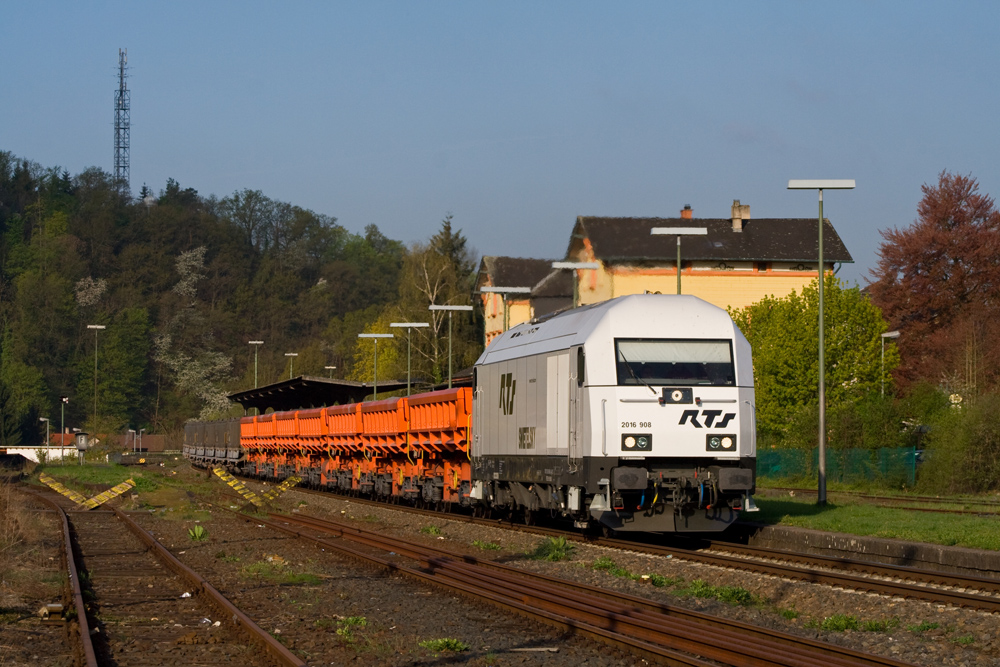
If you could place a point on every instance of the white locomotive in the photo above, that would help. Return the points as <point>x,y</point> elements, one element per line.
<point>636,413</point>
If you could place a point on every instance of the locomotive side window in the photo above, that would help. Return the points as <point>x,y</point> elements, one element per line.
<point>643,361</point>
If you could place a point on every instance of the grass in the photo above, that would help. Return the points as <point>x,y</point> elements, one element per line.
<point>486,546</point>
<point>346,627</point>
<point>198,533</point>
<point>277,573</point>
<point>864,519</point>
<point>734,595</point>
<point>607,565</point>
<point>553,549</point>
<point>442,645</point>
<point>845,622</point>
<point>923,626</point>
<point>430,530</point>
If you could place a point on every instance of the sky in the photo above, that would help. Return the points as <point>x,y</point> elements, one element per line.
<point>516,117</point>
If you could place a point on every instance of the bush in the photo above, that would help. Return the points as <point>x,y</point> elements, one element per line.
<point>964,448</point>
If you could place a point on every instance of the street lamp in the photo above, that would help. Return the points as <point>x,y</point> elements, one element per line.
<point>576,266</point>
<point>46,420</point>
<point>63,400</point>
<point>888,334</point>
<point>679,232</point>
<point>256,346</point>
<point>96,328</point>
<point>503,292</point>
<point>331,369</point>
<point>291,362</point>
<point>132,431</point>
<point>141,431</point>
<point>375,337</point>
<point>820,185</point>
<point>450,310</point>
<point>408,326</point>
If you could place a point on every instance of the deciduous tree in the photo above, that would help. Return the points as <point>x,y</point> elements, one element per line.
<point>938,281</point>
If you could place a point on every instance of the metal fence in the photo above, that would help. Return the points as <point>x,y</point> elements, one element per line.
<point>891,467</point>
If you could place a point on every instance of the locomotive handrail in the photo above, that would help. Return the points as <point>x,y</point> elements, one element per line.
<point>604,426</point>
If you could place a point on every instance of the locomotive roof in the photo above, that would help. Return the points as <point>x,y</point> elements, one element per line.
<point>632,316</point>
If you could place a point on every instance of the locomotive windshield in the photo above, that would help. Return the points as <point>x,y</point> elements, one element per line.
<point>643,361</point>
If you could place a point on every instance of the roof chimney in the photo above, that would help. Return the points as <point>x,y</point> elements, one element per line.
<point>687,212</point>
<point>741,213</point>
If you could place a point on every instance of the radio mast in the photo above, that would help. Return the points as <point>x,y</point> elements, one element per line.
<point>121,174</point>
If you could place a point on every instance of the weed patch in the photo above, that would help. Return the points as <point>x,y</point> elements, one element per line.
<point>553,549</point>
<point>441,645</point>
<point>346,627</point>
<point>734,595</point>
<point>923,626</point>
<point>486,546</point>
<point>198,533</point>
<point>430,530</point>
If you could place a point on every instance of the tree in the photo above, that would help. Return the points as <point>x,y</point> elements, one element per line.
<point>783,335</point>
<point>938,281</point>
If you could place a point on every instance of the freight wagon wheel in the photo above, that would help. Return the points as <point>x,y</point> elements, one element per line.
<point>607,531</point>
<point>529,517</point>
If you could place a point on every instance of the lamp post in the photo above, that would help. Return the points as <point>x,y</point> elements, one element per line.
<point>503,292</point>
<point>408,326</point>
<point>132,431</point>
<point>679,232</point>
<point>141,431</point>
<point>888,334</point>
<point>291,362</point>
<point>375,337</point>
<point>575,266</point>
<point>46,420</point>
<point>96,328</point>
<point>331,369</point>
<point>256,346</point>
<point>821,185</point>
<point>450,310</point>
<point>63,400</point>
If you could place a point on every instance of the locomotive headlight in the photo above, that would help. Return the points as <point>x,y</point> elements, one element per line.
<point>720,442</point>
<point>637,442</point>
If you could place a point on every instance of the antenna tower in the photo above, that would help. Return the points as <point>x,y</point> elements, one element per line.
<point>122,124</point>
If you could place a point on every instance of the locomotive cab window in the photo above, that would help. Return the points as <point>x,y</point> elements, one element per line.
<point>644,361</point>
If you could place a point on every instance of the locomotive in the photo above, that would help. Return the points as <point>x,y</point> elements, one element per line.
<point>634,414</point>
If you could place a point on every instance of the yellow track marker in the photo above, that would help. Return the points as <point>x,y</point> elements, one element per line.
<point>79,499</point>
<point>113,492</point>
<point>281,488</point>
<point>59,488</point>
<point>237,486</point>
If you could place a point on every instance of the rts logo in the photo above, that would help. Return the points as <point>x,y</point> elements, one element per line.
<point>507,386</point>
<point>709,416</point>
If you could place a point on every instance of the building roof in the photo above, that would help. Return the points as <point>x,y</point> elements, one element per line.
<point>558,284</point>
<point>617,240</point>
<point>513,271</point>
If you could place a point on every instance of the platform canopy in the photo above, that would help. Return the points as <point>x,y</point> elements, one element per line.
<point>306,392</point>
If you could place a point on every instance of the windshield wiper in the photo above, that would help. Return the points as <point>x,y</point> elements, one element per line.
<point>632,373</point>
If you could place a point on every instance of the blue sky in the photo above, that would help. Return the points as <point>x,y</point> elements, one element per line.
<point>518,116</point>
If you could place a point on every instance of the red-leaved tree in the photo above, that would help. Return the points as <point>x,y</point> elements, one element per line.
<point>938,282</point>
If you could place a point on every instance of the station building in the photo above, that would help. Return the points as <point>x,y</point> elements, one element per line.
<point>737,262</point>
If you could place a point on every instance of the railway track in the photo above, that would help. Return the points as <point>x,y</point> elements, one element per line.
<point>945,588</point>
<point>144,607</point>
<point>655,631</point>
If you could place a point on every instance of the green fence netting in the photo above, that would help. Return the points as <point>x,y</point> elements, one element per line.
<point>893,467</point>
